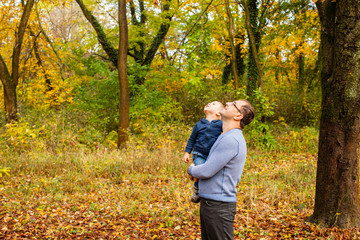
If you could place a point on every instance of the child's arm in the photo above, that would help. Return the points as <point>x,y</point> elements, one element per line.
<point>190,144</point>
<point>186,157</point>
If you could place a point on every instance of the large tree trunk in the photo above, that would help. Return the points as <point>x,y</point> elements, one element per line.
<point>124,89</point>
<point>239,61</point>
<point>10,101</point>
<point>255,71</point>
<point>232,44</point>
<point>10,82</point>
<point>337,181</point>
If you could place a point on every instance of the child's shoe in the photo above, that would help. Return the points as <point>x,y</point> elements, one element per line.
<point>195,196</point>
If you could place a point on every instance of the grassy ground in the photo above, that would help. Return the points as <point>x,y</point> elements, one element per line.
<point>142,192</point>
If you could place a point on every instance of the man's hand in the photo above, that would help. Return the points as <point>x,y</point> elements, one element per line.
<point>186,157</point>
<point>191,177</point>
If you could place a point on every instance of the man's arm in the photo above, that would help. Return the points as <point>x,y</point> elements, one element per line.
<point>222,153</point>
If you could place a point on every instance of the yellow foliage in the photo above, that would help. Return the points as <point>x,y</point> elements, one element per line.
<point>21,136</point>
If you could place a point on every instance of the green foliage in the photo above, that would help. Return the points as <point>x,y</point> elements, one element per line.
<point>135,72</point>
<point>258,131</point>
<point>196,95</point>
<point>155,101</point>
<point>155,106</point>
<point>98,99</point>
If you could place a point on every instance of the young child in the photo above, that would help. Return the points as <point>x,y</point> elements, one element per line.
<point>203,136</point>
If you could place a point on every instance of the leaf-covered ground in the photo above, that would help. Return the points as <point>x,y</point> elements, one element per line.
<point>275,198</point>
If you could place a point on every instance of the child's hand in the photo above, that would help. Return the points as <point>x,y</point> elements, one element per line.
<point>186,157</point>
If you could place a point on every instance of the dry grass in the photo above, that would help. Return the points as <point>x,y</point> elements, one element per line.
<point>143,191</point>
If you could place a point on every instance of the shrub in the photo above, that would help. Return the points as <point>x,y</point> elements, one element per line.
<point>258,132</point>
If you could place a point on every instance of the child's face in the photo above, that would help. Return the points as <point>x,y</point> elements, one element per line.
<point>213,107</point>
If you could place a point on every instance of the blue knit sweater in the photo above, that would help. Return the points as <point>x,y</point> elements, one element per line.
<point>222,170</point>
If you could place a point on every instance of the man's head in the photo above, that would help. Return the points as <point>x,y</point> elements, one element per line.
<point>238,111</point>
<point>213,108</point>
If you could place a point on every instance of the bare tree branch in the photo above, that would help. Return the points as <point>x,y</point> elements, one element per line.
<point>187,34</point>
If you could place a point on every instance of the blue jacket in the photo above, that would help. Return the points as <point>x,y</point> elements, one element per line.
<point>222,170</point>
<point>203,136</point>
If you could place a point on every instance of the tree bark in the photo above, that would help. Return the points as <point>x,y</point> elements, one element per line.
<point>103,40</point>
<point>255,71</point>
<point>231,39</point>
<point>301,70</point>
<point>158,39</point>
<point>337,180</point>
<point>10,81</point>
<point>39,60</point>
<point>239,61</point>
<point>10,101</point>
<point>122,71</point>
<point>138,51</point>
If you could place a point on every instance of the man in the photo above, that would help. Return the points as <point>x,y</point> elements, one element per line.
<point>222,171</point>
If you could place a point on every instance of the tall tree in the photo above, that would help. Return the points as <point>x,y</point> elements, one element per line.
<point>118,58</point>
<point>232,44</point>
<point>337,180</point>
<point>144,56</point>
<point>101,35</point>
<point>255,19</point>
<point>10,81</point>
<point>254,75</point>
<point>124,88</point>
<point>240,63</point>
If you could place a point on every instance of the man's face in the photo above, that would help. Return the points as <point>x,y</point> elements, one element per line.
<point>232,109</point>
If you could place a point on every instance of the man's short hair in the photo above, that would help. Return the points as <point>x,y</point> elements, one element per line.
<point>248,112</point>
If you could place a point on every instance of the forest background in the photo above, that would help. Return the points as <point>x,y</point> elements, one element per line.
<point>62,175</point>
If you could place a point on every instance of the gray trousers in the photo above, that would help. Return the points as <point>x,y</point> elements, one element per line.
<point>217,219</point>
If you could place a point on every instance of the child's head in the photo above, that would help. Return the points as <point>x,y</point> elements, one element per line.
<point>213,108</point>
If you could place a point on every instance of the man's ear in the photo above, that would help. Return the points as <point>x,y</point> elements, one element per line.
<point>238,117</point>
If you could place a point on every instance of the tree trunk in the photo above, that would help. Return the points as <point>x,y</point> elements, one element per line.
<point>337,180</point>
<point>122,70</point>
<point>10,81</point>
<point>158,39</point>
<point>103,40</point>
<point>138,50</point>
<point>146,59</point>
<point>39,60</point>
<point>231,39</point>
<point>301,70</point>
<point>239,61</point>
<point>10,101</point>
<point>255,72</point>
